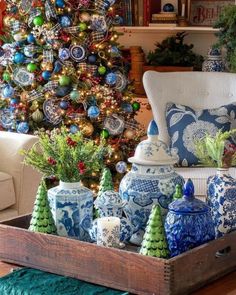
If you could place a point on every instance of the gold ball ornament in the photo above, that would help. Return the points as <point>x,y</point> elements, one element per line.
<point>7,20</point>
<point>84,17</point>
<point>37,116</point>
<point>129,133</point>
<point>87,129</point>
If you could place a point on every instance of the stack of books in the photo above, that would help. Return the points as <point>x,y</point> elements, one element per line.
<point>164,19</point>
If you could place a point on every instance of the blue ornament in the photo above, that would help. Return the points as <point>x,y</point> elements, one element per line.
<point>60,3</point>
<point>63,90</point>
<point>93,112</point>
<point>31,38</point>
<point>14,101</point>
<point>64,104</point>
<point>111,79</point>
<point>115,52</point>
<point>74,129</point>
<point>106,4</point>
<point>168,7</point>
<point>121,167</point>
<point>92,58</point>
<point>19,58</point>
<point>65,21</point>
<point>46,75</point>
<point>8,91</point>
<point>77,52</point>
<point>57,66</point>
<point>118,20</point>
<point>23,127</point>
<point>64,53</point>
<point>127,107</point>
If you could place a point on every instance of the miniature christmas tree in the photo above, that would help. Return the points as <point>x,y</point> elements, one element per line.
<point>178,192</point>
<point>154,242</point>
<point>42,220</point>
<point>62,65</point>
<point>106,183</point>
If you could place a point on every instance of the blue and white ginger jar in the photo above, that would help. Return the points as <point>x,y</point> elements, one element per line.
<point>72,209</point>
<point>152,180</point>
<point>188,223</point>
<point>213,61</point>
<point>221,197</point>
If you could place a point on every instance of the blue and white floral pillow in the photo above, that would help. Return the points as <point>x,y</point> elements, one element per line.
<point>186,125</point>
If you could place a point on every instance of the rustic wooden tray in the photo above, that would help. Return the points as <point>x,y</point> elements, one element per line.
<point>120,269</point>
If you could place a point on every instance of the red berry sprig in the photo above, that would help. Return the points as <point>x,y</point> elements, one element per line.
<point>51,161</point>
<point>71,142</point>
<point>81,167</point>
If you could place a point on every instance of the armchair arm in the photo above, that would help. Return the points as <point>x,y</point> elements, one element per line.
<point>25,179</point>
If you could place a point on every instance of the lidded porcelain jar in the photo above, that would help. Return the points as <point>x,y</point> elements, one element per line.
<point>213,61</point>
<point>152,180</point>
<point>109,204</point>
<point>188,223</point>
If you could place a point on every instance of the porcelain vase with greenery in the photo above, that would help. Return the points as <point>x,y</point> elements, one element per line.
<point>221,187</point>
<point>70,158</point>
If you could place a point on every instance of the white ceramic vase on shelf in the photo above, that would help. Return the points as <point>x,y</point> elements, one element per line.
<point>221,197</point>
<point>72,209</point>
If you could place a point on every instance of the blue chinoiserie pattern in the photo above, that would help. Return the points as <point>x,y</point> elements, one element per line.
<point>221,197</point>
<point>152,180</point>
<point>72,209</point>
<point>188,223</point>
<point>186,125</point>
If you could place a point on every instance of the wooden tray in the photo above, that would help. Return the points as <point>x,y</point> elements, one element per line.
<point>120,269</point>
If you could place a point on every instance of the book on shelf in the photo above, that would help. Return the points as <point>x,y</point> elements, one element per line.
<point>150,7</point>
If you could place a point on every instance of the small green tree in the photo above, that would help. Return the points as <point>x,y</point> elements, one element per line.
<point>42,220</point>
<point>154,241</point>
<point>178,192</point>
<point>106,183</point>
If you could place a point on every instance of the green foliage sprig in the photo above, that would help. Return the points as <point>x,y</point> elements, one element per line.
<point>173,52</point>
<point>227,34</point>
<point>69,157</point>
<point>212,151</point>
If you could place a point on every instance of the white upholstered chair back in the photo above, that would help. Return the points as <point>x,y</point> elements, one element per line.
<point>198,90</point>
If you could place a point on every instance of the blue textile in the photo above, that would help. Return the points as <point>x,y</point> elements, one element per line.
<point>186,125</point>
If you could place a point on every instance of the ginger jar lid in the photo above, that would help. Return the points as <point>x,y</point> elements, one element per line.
<point>188,204</point>
<point>108,198</point>
<point>153,151</point>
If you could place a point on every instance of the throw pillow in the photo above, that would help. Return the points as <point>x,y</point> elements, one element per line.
<point>185,125</point>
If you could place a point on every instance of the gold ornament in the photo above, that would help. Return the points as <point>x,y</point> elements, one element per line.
<point>23,95</point>
<point>129,133</point>
<point>84,17</point>
<point>7,20</point>
<point>37,116</point>
<point>86,128</point>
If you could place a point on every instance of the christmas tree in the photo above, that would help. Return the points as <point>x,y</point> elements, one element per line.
<point>62,65</point>
<point>106,183</point>
<point>154,241</point>
<point>42,220</point>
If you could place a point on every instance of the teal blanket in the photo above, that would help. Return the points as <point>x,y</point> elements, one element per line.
<point>27,281</point>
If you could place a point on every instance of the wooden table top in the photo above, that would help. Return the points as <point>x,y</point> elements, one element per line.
<point>223,286</point>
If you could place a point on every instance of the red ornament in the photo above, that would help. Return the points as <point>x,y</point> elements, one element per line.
<point>71,142</point>
<point>81,167</point>
<point>51,161</point>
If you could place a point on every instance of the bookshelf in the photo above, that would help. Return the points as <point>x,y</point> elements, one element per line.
<point>167,29</point>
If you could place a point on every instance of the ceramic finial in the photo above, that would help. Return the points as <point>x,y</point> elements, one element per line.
<point>189,189</point>
<point>152,129</point>
<point>178,192</point>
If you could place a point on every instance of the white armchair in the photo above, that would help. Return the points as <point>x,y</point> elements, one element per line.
<point>198,90</point>
<point>18,183</point>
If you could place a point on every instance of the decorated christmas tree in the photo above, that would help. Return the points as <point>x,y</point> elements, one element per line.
<point>42,220</point>
<point>154,241</point>
<point>106,183</point>
<point>61,64</point>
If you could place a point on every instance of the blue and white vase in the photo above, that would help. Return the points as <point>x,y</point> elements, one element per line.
<point>188,223</point>
<point>221,197</point>
<point>72,209</point>
<point>213,61</point>
<point>152,180</point>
